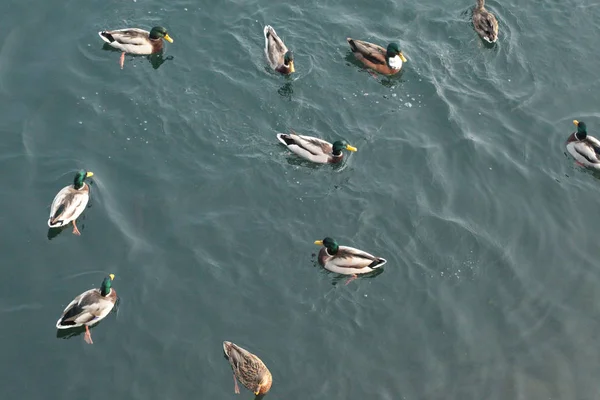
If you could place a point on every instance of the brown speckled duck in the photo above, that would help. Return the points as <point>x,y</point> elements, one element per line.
<point>386,62</point>
<point>585,149</point>
<point>485,23</point>
<point>248,369</point>
<point>278,55</point>
<point>347,260</point>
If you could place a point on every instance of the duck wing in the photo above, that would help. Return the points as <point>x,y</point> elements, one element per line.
<point>67,205</point>
<point>309,147</point>
<point>349,257</point>
<point>594,143</point>
<point>588,150</point>
<point>130,36</point>
<point>132,40</point>
<point>275,49</point>
<point>369,51</point>
<point>485,22</point>
<point>83,309</point>
<point>313,144</point>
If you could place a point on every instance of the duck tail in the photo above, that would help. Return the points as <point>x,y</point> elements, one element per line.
<point>107,37</point>
<point>285,139</point>
<point>226,346</point>
<point>55,222</point>
<point>55,218</point>
<point>380,262</point>
<point>351,43</point>
<point>267,33</point>
<point>60,325</point>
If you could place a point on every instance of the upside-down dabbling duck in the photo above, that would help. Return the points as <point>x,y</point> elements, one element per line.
<point>485,23</point>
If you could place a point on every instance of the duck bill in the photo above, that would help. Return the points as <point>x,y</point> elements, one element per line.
<point>112,277</point>
<point>168,38</point>
<point>89,174</point>
<point>319,242</point>
<point>292,69</point>
<point>351,148</point>
<point>576,122</point>
<point>402,57</point>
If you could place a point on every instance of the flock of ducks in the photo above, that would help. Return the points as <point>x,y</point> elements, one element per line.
<point>93,305</point>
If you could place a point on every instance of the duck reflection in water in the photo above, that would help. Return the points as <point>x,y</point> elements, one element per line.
<point>286,91</point>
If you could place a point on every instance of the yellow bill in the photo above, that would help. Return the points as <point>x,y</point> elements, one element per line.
<point>292,69</point>
<point>168,38</point>
<point>89,174</point>
<point>112,277</point>
<point>319,242</point>
<point>350,148</point>
<point>257,392</point>
<point>576,122</point>
<point>402,57</point>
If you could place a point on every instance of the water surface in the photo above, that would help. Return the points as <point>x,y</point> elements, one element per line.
<point>461,182</point>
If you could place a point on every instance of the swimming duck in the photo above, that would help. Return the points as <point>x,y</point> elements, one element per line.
<point>485,23</point>
<point>136,41</point>
<point>278,55</point>
<point>584,148</point>
<point>387,62</point>
<point>315,149</point>
<point>89,308</point>
<point>347,260</point>
<point>69,203</point>
<point>248,369</point>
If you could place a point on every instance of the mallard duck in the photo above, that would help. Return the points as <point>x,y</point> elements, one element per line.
<point>70,202</point>
<point>89,308</point>
<point>584,148</point>
<point>485,23</point>
<point>387,62</point>
<point>315,149</point>
<point>347,260</point>
<point>248,369</point>
<point>278,55</point>
<point>136,41</point>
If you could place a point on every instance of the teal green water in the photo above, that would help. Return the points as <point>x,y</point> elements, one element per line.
<point>461,182</point>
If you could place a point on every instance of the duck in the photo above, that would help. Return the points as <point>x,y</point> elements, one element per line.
<point>485,22</point>
<point>136,41</point>
<point>248,369</point>
<point>89,308</point>
<point>315,149</point>
<point>385,61</point>
<point>583,147</point>
<point>347,260</point>
<point>69,203</point>
<point>278,55</point>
